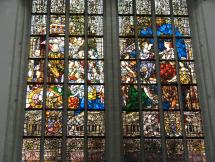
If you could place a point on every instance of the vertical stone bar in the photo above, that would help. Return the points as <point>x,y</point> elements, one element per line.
<point>163,138</point>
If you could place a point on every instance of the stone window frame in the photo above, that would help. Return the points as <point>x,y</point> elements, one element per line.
<point>15,112</point>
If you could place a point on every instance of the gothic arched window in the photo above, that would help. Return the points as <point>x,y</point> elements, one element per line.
<point>102,75</point>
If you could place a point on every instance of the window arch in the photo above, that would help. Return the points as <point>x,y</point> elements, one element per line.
<point>159,107</point>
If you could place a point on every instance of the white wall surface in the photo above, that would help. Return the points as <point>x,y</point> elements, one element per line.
<point>8,9</point>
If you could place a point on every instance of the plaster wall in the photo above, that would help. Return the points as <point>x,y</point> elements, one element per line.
<point>8,9</point>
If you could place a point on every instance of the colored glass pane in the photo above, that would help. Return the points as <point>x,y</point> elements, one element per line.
<point>152,149</point>
<point>182,27</point>
<point>95,25</point>
<point>131,124</point>
<point>149,97</point>
<point>127,48</point>
<point>95,123</point>
<point>76,97</point>
<point>75,124</point>
<point>144,26</point>
<point>172,124</point>
<point>146,48</point>
<point>184,49</point>
<point>55,71</point>
<point>96,97</point>
<point>31,149</point>
<point>196,149</point>
<point>125,7</point>
<point>193,124</point>
<point>52,149</point>
<point>168,72</point>
<point>56,47</point>
<point>54,97</point>
<point>166,49</point>
<point>175,150</point>
<point>95,48</point>
<point>34,98</point>
<point>96,148</point>
<point>180,7</point>
<point>187,73</point>
<point>76,72</point>
<point>162,7</point>
<point>76,48</point>
<point>77,6</point>
<point>37,47</point>
<point>57,6</point>
<point>95,6</point>
<point>170,98</point>
<point>35,71</point>
<point>53,124</point>
<point>131,150</point>
<point>130,96</point>
<point>38,24</point>
<point>95,72</point>
<point>143,6</point>
<point>128,71</point>
<point>32,123</point>
<point>126,25</point>
<point>164,26</point>
<point>76,25</point>
<point>151,124</point>
<point>57,24</point>
<point>39,6</point>
<point>75,149</point>
<point>190,97</point>
<point>147,72</point>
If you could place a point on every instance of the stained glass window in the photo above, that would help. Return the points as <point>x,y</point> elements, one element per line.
<point>64,110</point>
<point>160,103</point>
<point>66,85</point>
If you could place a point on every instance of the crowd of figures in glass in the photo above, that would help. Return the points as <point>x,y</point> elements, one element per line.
<point>158,81</point>
<point>65,72</point>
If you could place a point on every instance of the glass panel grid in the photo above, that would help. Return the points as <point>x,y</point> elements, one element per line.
<point>64,110</point>
<point>156,51</point>
<point>65,82</point>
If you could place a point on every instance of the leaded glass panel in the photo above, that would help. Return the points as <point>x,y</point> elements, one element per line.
<point>64,110</point>
<point>159,92</point>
